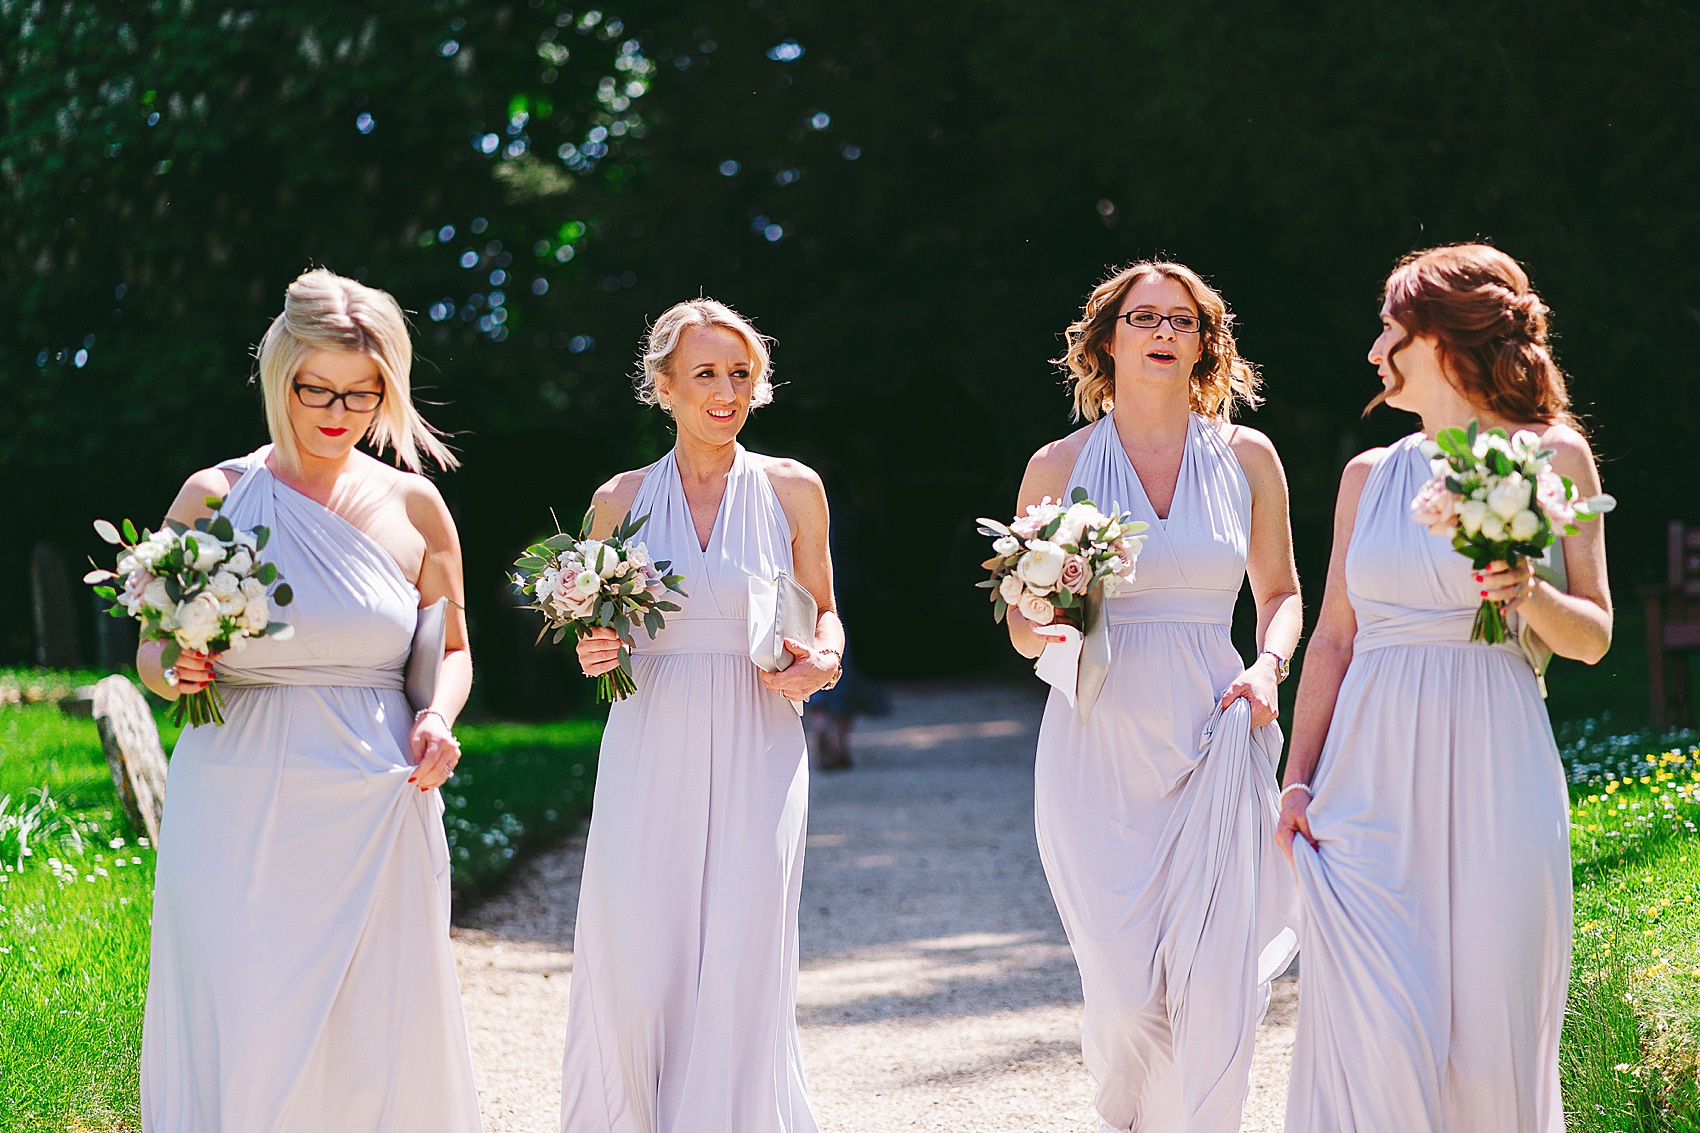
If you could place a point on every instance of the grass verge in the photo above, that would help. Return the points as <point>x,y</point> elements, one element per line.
<point>76,892</point>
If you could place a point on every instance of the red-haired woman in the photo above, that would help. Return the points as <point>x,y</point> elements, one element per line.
<point>1425,806</point>
<point>1157,846</point>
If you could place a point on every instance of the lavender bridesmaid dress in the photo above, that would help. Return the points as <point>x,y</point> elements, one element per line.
<point>1156,818</point>
<point>682,1014</point>
<point>301,977</point>
<point>1436,912</point>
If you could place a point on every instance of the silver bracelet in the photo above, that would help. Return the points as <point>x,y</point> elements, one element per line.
<point>1291,787</point>
<point>424,712</point>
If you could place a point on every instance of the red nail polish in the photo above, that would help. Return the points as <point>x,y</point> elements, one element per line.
<point>1484,594</point>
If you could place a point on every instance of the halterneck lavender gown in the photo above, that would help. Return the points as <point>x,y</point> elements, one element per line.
<point>682,1015</point>
<point>1436,910</point>
<point>1155,818</point>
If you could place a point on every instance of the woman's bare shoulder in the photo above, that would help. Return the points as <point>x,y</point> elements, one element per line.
<point>207,483</point>
<point>1059,456</point>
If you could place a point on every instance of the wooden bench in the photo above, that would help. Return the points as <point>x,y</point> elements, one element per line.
<point>1673,628</point>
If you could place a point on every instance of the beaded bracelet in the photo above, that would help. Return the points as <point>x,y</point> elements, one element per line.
<point>1291,787</point>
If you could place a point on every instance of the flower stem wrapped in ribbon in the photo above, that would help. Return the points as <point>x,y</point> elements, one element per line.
<point>1044,563</point>
<point>200,588</point>
<point>1498,499</point>
<point>580,584</point>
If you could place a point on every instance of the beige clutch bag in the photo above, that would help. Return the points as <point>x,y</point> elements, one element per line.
<point>1549,566</point>
<point>425,660</point>
<point>780,609</point>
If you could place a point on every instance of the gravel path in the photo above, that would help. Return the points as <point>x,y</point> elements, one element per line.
<point>937,989</point>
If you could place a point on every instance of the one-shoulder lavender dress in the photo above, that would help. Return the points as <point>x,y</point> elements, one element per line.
<point>301,978</point>
<point>682,1015</point>
<point>1436,912</point>
<point>1155,819</point>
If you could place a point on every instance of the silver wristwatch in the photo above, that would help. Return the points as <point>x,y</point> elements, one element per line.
<point>1282,667</point>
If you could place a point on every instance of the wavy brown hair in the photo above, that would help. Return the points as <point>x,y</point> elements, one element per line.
<point>1488,325</point>
<point>1219,379</point>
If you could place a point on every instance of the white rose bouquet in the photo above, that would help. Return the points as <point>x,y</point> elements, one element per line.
<point>1498,500</point>
<point>1044,563</point>
<point>583,584</point>
<point>200,588</point>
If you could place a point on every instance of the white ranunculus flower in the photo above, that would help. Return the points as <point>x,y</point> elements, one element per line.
<point>1493,527</point>
<point>588,582</point>
<point>1037,610</point>
<point>127,562</point>
<point>224,584</point>
<point>1010,589</point>
<point>1510,496</point>
<point>156,596</point>
<point>241,562</point>
<point>197,621</point>
<point>599,557</point>
<point>257,616</point>
<point>1076,520</point>
<point>209,552</point>
<point>1005,545</point>
<point>1524,525</point>
<point>1040,567</point>
<point>150,551</point>
<point>253,588</point>
<point>1470,515</point>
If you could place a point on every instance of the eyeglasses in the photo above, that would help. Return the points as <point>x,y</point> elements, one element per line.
<point>1151,320</point>
<point>355,400</point>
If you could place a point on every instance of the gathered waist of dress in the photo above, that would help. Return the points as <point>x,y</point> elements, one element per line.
<point>1173,604</point>
<point>1422,627</point>
<point>697,635</point>
<point>307,676</point>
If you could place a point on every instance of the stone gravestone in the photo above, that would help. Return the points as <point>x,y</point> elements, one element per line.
<point>131,739</point>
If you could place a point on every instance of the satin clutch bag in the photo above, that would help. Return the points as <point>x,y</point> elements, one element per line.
<point>780,609</point>
<point>425,659</point>
<point>1549,566</point>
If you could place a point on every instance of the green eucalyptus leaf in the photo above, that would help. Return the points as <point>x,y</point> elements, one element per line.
<point>222,530</point>
<point>107,532</point>
<point>283,595</point>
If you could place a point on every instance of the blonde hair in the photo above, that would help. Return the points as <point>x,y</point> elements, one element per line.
<point>1219,379</point>
<point>662,342</point>
<point>325,311</point>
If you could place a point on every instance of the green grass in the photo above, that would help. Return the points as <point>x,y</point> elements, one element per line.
<point>517,787</point>
<point>76,890</point>
<point>1631,1050</point>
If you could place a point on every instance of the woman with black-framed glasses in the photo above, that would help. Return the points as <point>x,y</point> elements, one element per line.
<point>1155,803</point>
<point>301,978</point>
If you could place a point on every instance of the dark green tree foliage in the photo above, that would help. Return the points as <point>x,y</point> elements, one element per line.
<point>913,199</point>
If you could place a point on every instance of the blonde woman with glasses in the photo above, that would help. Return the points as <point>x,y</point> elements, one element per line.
<point>1155,811</point>
<point>301,977</point>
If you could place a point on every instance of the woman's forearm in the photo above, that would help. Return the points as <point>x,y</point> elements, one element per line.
<point>1572,625</point>
<point>454,685</point>
<point>1280,622</point>
<point>151,669</point>
<point>1326,661</point>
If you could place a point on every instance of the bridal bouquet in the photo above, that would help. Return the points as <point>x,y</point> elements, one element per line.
<point>581,584</point>
<point>1498,500</point>
<point>1044,563</point>
<point>200,588</point>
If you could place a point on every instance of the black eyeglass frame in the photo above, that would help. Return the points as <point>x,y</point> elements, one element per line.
<point>336,397</point>
<point>1128,316</point>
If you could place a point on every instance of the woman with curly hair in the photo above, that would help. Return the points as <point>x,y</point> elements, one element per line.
<point>1155,811</point>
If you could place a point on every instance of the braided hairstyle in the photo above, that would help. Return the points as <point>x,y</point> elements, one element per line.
<point>1488,325</point>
